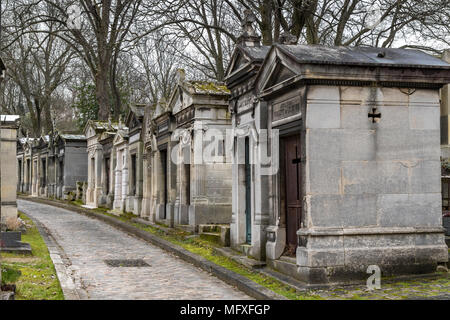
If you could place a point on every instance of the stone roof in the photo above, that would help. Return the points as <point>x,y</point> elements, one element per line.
<point>73,136</point>
<point>255,53</point>
<point>161,107</point>
<point>206,87</point>
<point>104,125</point>
<point>364,56</point>
<point>9,118</point>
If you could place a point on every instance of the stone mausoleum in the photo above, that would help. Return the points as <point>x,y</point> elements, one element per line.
<point>203,175</point>
<point>353,177</point>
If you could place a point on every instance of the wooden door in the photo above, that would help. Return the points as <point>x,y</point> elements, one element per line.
<point>248,195</point>
<point>293,189</point>
<point>164,164</point>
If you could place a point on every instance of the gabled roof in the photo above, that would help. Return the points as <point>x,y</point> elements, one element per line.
<point>286,65</point>
<point>364,56</point>
<point>195,88</point>
<point>100,126</point>
<point>161,108</point>
<point>138,111</point>
<point>72,137</point>
<point>244,56</point>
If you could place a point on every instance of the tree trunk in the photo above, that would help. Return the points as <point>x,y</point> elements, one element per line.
<point>102,93</point>
<point>266,22</point>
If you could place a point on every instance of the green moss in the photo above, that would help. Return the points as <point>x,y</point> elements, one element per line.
<point>211,87</point>
<point>34,276</point>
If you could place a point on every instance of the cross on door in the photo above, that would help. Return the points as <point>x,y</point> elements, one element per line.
<point>297,161</point>
<point>374,115</point>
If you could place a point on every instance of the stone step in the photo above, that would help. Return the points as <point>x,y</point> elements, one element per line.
<point>213,230</point>
<point>240,258</point>
<point>211,236</point>
<point>186,228</point>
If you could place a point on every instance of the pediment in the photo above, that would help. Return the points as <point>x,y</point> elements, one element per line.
<point>119,138</point>
<point>176,101</point>
<point>237,61</point>
<point>279,73</point>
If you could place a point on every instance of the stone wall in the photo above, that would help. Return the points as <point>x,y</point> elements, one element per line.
<point>372,190</point>
<point>8,163</point>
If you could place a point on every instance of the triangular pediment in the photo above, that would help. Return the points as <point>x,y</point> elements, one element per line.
<point>237,61</point>
<point>279,74</point>
<point>120,136</point>
<point>176,101</point>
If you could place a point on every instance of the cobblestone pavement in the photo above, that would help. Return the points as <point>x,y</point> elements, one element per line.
<point>87,243</point>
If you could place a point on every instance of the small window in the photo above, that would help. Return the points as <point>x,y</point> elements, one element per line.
<point>446,194</point>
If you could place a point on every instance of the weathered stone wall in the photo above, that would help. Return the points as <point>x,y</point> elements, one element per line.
<point>8,163</point>
<point>372,190</point>
<point>75,167</point>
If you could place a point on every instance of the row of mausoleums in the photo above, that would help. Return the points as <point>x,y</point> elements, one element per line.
<point>322,160</point>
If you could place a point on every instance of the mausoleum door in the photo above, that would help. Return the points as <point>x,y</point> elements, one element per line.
<point>293,192</point>
<point>107,173</point>
<point>164,165</point>
<point>248,207</point>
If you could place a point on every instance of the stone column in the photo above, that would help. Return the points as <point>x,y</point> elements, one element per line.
<point>145,185</point>
<point>124,179</point>
<point>118,181</point>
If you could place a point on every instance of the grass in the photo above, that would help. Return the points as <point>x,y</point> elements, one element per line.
<point>34,275</point>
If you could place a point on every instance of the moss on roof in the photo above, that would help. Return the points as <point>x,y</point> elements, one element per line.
<point>209,87</point>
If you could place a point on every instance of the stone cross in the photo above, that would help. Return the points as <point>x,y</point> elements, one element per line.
<point>374,115</point>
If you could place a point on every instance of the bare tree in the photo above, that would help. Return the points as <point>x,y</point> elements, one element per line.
<point>37,66</point>
<point>95,30</point>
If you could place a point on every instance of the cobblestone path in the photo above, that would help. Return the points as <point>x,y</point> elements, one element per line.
<point>87,243</point>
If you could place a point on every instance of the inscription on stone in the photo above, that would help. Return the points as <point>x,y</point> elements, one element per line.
<point>135,138</point>
<point>163,127</point>
<point>245,104</point>
<point>285,109</point>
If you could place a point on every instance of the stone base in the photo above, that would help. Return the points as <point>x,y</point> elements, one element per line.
<point>115,212</point>
<point>165,214</point>
<point>8,212</point>
<point>181,214</point>
<point>209,214</point>
<point>344,255</point>
<point>135,205</point>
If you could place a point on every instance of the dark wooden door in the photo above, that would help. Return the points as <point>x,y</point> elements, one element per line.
<point>164,164</point>
<point>248,195</point>
<point>107,173</point>
<point>293,192</point>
